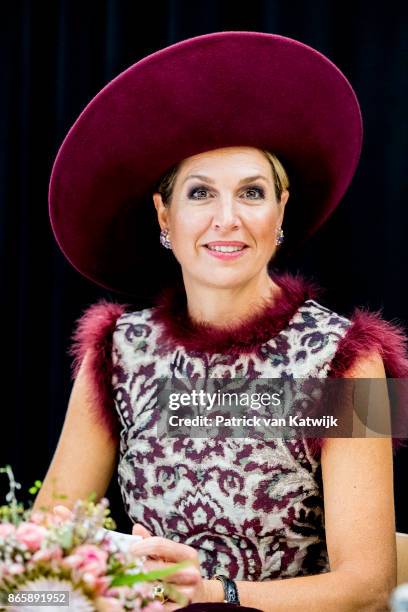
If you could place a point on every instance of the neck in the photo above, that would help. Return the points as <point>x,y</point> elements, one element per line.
<point>221,306</point>
<point>260,326</point>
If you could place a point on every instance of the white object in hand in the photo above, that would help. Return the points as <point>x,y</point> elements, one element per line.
<point>399,598</point>
<point>122,540</point>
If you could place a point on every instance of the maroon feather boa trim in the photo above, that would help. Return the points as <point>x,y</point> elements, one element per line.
<point>93,335</point>
<point>370,333</point>
<point>243,336</point>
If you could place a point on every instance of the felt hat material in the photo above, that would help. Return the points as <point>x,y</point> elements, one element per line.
<point>207,92</point>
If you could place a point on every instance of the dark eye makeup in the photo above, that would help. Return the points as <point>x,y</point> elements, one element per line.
<point>195,193</point>
<point>257,190</point>
<point>201,192</point>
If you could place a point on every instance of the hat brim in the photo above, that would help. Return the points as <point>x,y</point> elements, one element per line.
<point>212,91</point>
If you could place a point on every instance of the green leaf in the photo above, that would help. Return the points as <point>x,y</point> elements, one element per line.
<point>66,537</point>
<point>129,579</point>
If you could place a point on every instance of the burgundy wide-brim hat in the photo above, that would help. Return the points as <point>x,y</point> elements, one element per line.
<point>212,91</point>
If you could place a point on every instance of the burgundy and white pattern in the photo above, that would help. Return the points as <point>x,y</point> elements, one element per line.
<point>252,509</point>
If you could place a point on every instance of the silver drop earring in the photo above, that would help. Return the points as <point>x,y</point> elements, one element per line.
<point>280,237</point>
<point>164,238</point>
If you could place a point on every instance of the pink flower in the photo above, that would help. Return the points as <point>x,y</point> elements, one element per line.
<point>108,604</point>
<point>7,569</point>
<point>89,579</point>
<point>31,535</point>
<point>15,568</point>
<point>47,554</point>
<point>54,520</point>
<point>3,569</point>
<point>143,588</point>
<point>37,517</point>
<point>101,584</point>
<point>89,558</point>
<point>121,592</point>
<point>98,584</point>
<point>6,529</point>
<point>71,562</point>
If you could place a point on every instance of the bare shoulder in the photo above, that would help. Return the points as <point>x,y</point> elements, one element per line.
<point>368,365</point>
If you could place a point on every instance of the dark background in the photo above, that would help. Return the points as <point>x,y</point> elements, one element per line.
<point>55,56</point>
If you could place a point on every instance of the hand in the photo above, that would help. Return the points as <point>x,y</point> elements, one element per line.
<point>161,553</point>
<point>141,531</point>
<point>56,516</point>
<point>63,512</point>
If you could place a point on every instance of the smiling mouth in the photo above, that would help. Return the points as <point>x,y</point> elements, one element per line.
<point>226,248</point>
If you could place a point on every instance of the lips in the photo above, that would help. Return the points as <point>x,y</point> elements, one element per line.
<point>226,250</point>
<point>226,246</point>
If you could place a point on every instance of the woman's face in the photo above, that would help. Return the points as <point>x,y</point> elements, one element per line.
<point>223,217</point>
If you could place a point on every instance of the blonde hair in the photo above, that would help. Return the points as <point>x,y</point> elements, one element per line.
<point>280,177</point>
<point>165,184</point>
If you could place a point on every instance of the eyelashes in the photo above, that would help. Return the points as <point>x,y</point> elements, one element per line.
<point>196,193</point>
<point>201,193</point>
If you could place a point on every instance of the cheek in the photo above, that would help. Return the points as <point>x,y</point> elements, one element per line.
<point>263,224</point>
<point>188,228</point>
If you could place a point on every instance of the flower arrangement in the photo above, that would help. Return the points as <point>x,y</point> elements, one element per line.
<point>42,552</point>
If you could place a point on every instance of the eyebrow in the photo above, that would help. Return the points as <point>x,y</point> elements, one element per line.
<point>207,179</point>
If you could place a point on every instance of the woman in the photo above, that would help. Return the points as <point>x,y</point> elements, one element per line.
<point>234,135</point>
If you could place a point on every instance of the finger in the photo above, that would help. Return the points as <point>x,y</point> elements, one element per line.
<point>139,530</point>
<point>187,591</point>
<point>182,595</point>
<point>62,511</point>
<point>165,549</point>
<point>175,601</point>
<point>187,576</point>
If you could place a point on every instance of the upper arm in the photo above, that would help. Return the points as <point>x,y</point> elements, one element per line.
<point>359,497</point>
<point>85,457</point>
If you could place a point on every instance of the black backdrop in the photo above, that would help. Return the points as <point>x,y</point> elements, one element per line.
<point>55,56</point>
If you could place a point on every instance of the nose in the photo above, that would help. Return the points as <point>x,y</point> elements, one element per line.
<point>226,215</point>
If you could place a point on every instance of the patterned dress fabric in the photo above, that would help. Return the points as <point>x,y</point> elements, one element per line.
<point>252,508</point>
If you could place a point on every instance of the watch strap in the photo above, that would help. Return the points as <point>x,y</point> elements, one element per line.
<point>230,589</point>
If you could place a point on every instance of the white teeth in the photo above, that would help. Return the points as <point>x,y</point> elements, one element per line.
<point>226,249</point>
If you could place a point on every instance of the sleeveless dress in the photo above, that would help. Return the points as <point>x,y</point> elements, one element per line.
<point>253,509</point>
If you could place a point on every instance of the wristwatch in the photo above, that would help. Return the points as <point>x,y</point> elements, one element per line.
<point>230,589</point>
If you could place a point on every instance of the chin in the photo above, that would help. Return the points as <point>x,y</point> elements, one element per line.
<point>223,278</point>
